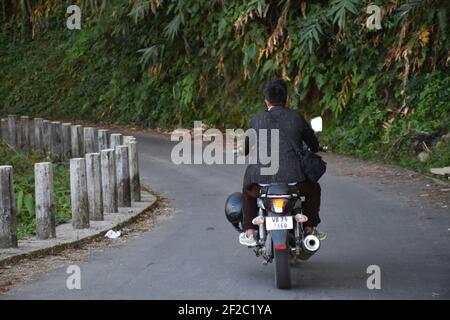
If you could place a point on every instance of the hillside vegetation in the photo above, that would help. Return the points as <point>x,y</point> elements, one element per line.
<point>383,93</point>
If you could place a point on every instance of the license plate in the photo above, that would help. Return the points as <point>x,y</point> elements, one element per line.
<point>279,223</point>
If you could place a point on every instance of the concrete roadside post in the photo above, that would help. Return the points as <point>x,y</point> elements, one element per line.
<point>56,141</point>
<point>123,176</point>
<point>89,140</point>
<point>8,218</point>
<point>103,139</point>
<point>109,189</point>
<point>135,181</point>
<point>39,134</point>
<point>47,136</point>
<point>12,130</point>
<point>45,206</point>
<point>116,140</point>
<point>94,186</point>
<point>24,141</point>
<point>76,137</point>
<point>66,141</point>
<point>78,193</point>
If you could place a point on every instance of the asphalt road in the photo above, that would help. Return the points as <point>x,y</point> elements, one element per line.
<point>195,253</point>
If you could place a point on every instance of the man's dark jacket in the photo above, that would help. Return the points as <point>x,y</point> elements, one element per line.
<point>295,126</point>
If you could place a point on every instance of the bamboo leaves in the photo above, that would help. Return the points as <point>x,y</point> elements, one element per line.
<point>172,29</point>
<point>261,7</point>
<point>140,9</point>
<point>340,9</point>
<point>406,8</point>
<point>310,32</point>
<point>151,55</point>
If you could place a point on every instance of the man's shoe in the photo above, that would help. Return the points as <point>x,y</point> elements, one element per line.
<point>320,235</point>
<point>247,241</point>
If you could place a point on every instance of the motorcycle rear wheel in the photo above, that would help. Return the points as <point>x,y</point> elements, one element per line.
<point>282,269</point>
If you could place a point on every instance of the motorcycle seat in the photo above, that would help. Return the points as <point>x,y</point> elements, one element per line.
<point>277,189</point>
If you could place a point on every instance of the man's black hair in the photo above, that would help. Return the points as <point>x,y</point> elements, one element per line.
<point>275,91</point>
<point>281,82</point>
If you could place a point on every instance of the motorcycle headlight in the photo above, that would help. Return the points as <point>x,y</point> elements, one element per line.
<point>278,205</point>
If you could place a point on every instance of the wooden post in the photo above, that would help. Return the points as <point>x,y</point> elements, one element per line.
<point>1,129</point>
<point>94,186</point>
<point>103,139</point>
<point>56,137</point>
<point>78,193</point>
<point>12,130</point>
<point>39,134</point>
<point>24,133</point>
<point>90,144</point>
<point>123,177</point>
<point>116,140</point>
<point>45,206</point>
<point>19,133</point>
<point>128,139</point>
<point>135,181</point>
<point>109,188</point>
<point>8,228</point>
<point>47,136</point>
<point>66,141</point>
<point>4,125</point>
<point>77,141</point>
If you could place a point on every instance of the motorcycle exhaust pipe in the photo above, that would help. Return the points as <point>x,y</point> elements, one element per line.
<point>310,245</point>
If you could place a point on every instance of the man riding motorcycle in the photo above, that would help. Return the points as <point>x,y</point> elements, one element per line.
<point>298,130</point>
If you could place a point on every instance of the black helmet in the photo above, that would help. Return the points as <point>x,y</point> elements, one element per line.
<point>233,210</point>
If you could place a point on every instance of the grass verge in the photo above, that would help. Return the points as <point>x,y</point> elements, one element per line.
<point>23,176</point>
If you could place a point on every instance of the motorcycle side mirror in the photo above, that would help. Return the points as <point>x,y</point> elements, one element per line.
<point>316,124</point>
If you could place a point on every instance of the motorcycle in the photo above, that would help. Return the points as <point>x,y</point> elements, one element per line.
<point>280,237</point>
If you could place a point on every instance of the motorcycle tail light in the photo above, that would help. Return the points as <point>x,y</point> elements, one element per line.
<point>278,205</point>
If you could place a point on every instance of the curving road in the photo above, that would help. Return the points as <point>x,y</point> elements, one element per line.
<point>195,254</point>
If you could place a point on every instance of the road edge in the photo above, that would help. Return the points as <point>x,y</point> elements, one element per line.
<point>83,240</point>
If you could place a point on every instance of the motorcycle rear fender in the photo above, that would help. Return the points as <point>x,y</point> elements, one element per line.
<point>279,239</point>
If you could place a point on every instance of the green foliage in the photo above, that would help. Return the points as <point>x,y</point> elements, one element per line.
<point>23,176</point>
<point>359,133</point>
<point>310,33</point>
<point>406,8</point>
<point>168,63</point>
<point>430,95</point>
<point>339,10</point>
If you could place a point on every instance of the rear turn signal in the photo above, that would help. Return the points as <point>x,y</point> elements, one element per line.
<point>258,220</point>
